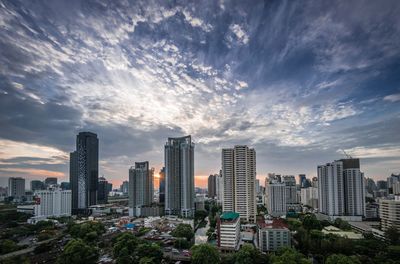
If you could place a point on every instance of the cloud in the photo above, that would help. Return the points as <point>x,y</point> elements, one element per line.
<point>374,152</point>
<point>392,98</point>
<point>240,34</point>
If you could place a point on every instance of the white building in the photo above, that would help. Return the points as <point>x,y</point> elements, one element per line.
<point>179,177</point>
<point>273,235</point>
<point>16,187</point>
<point>276,198</point>
<point>341,190</point>
<point>219,182</point>
<point>239,174</point>
<point>389,212</point>
<point>141,189</point>
<point>228,229</point>
<point>309,196</point>
<point>52,203</point>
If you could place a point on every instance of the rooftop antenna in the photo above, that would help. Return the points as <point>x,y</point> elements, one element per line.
<point>347,155</point>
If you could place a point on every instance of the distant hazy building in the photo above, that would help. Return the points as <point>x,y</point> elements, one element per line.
<point>161,198</point>
<point>341,190</point>
<point>124,188</point>
<point>37,185</point>
<point>391,181</point>
<point>50,181</point>
<point>219,182</point>
<point>302,180</point>
<point>103,191</point>
<point>275,198</point>
<point>309,196</point>
<point>389,211</point>
<point>84,172</point>
<point>140,187</point>
<point>381,185</point>
<point>179,177</point>
<point>212,186</point>
<point>257,189</point>
<point>228,230</point>
<point>239,174</point>
<point>16,187</point>
<point>52,202</point>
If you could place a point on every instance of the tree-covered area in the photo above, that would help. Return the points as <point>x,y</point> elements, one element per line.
<point>78,251</point>
<point>183,231</point>
<point>88,231</point>
<point>130,249</point>
<point>311,241</point>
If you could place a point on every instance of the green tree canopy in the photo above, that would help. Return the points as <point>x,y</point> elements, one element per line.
<point>183,230</point>
<point>310,222</point>
<point>205,254</point>
<point>77,251</point>
<point>342,259</point>
<point>88,231</point>
<point>393,235</point>
<point>289,256</point>
<point>248,254</point>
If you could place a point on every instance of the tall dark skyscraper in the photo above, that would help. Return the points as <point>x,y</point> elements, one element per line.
<point>212,185</point>
<point>162,186</point>
<point>179,177</point>
<point>84,172</point>
<point>50,181</point>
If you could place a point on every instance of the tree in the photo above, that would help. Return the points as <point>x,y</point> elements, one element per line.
<point>150,250</point>
<point>342,224</point>
<point>289,256</point>
<point>183,230</point>
<point>248,254</point>
<point>77,251</point>
<point>124,247</point>
<point>393,235</point>
<point>88,231</point>
<point>181,243</point>
<point>7,246</point>
<point>342,259</point>
<point>205,253</point>
<point>310,222</point>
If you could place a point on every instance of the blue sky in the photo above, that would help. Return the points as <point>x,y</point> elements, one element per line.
<point>296,80</point>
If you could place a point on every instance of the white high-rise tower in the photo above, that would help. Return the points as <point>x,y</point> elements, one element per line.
<point>239,175</point>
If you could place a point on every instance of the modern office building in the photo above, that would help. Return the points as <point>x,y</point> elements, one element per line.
<point>389,212</point>
<point>50,181</point>
<point>84,172</point>
<point>391,181</point>
<point>16,187</point>
<point>273,235</point>
<point>239,174</point>
<point>228,231</point>
<point>161,194</point>
<point>179,177</point>
<point>37,185</point>
<point>65,186</point>
<point>341,190</point>
<point>302,180</point>
<point>103,191</point>
<point>219,182</point>
<point>51,203</point>
<point>212,186</point>
<point>140,187</point>
<point>276,198</point>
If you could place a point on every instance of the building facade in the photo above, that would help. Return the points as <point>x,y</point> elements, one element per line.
<point>140,187</point>
<point>37,185</point>
<point>212,186</point>
<point>161,197</point>
<point>341,189</point>
<point>179,177</point>
<point>84,172</point>
<point>52,203</point>
<point>16,187</point>
<point>228,231</point>
<point>103,191</point>
<point>273,235</point>
<point>50,181</point>
<point>389,212</point>
<point>239,174</point>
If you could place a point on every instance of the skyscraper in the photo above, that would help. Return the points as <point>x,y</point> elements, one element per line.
<point>341,190</point>
<point>50,181</point>
<point>239,173</point>
<point>161,198</point>
<point>140,187</point>
<point>179,177</point>
<point>37,185</point>
<point>124,188</point>
<point>302,180</point>
<point>212,186</point>
<point>84,172</point>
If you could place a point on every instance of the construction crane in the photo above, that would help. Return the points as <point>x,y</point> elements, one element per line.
<point>347,155</point>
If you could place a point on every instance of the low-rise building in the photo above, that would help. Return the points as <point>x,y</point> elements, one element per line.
<point>228,231</point>
<point>273,235</point>
<point>389,211</point>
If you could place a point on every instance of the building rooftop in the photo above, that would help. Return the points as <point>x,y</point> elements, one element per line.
<point>272,224</point>
<point>229,216</point>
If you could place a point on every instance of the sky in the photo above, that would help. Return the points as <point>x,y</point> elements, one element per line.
<point>299,81</point>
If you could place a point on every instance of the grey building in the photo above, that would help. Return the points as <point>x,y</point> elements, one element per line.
<point>179,177</point>
<point>102,193</point>
<point>140,187</point>
<point>212,186</point>
<point>37,185</point>
<point>16,187</point>
<point>84,172</point>
<point>161,198</point>
<point>50,181</point>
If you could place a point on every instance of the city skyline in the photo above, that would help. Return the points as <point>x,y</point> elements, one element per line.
<point>298,81</point>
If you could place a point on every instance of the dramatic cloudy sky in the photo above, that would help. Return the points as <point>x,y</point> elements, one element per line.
<point>296,80</point>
